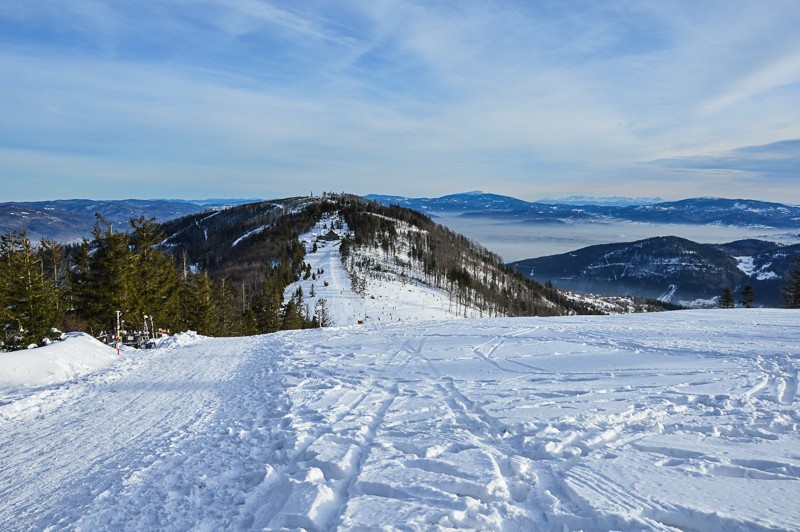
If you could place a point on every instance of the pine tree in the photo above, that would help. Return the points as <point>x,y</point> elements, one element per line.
<point>748,296</point>
<point>791,285</point>
<point>30,298</point>
<point>154,274</point>
<point>726,298</point>
<point>102,280</point>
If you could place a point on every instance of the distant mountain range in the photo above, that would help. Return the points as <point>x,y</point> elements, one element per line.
<point>618,201</point>
<point>671,269</point>
<point>695,211</point>
<point>72,219</point>
<point>69,220</point>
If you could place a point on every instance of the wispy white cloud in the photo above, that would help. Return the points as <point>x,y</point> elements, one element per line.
<point>777,160</point>
<point>783,72</point>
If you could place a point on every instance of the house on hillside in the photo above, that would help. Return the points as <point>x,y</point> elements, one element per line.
<point>330,236</point>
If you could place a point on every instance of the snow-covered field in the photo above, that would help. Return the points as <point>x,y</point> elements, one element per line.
<point>674,420</point>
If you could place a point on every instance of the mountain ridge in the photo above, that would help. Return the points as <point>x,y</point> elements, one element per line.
<point>691,211</point>
<point>69,220</point>
<point>670,268</point>
<point>239,242</point>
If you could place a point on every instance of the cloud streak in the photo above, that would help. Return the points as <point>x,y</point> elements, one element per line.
<point>777,160</point>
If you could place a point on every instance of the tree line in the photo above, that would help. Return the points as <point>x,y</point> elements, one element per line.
<point>51,287</point>
<point>790,291</point>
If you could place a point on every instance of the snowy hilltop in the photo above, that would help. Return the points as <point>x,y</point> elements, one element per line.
<point>682,420</point>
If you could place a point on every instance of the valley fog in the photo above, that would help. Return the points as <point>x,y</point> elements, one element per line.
<point>516,241</point>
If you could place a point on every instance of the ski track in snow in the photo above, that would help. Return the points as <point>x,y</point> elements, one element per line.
<point>683,420</point>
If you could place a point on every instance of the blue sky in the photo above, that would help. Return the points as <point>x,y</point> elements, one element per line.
<point>251,98</point>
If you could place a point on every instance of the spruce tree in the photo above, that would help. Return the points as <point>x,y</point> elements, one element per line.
<point>228,323</point>
<point>103,278</point>
<point>5,315</point>
<point>791,285</point>
<point>154,275</point>
<point>197,308</point>
<point>267,306</point>
<point>30,299</point>
<point>748,296</point>
<point>292,316</point>
<point>726,299</point>
<point>54,262</point>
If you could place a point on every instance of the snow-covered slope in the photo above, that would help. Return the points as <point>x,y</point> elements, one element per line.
<point>683,420</point>
<point>392,294</point>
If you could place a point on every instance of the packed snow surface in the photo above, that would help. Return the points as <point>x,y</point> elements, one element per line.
<point>682,420</point>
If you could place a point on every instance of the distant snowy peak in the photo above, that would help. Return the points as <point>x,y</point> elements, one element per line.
<point>617,201</point>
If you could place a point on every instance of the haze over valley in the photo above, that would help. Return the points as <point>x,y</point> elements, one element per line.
<point>520,240</point>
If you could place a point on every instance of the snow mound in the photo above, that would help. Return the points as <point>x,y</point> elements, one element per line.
<point>184,339</point>
<point>76,355</point>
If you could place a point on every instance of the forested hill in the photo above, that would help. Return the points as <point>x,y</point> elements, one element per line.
<point>239,271</point>
<point>249,244</point>
<point>245,243</point>
<point>672,269</point>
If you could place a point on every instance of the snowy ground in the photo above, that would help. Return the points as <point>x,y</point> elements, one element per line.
<point>685,420</point>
